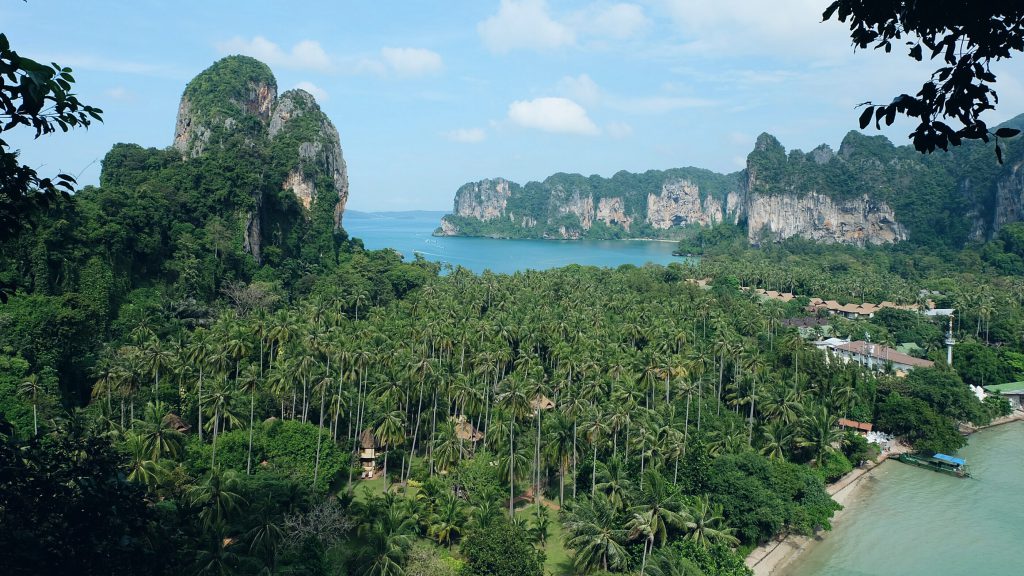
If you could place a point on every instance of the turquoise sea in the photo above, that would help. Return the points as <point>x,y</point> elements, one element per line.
<point>909,521</point>
<point>410,232</point>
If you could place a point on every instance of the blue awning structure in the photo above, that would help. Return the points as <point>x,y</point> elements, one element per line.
<point>950,459</point>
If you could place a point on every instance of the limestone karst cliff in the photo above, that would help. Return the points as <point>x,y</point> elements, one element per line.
<point>234,105</point>
<point>868,192</point>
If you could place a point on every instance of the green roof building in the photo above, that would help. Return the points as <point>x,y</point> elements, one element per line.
<point>1013,391</point>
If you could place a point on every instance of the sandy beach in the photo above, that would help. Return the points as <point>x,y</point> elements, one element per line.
<point>772,557</point>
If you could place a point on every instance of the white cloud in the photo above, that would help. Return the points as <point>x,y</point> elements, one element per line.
<point>584,89</point>
<point>558,115</point>
<point>307,54</point>
<point>657,104</point>
<point>411,61</point>
<point>79,61</point>
<point>581,88</point>
<point>466,135</point>
<point>523,24</point>
<point>319,93</point>
<point>119,93</point>
<point>619,130</point>
<point>785,28</point>
<point>615,21</point>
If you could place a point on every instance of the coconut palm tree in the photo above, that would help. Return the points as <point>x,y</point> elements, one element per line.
<point>220,407</point>
<point>32,388</point>
<point>594,532</point>
<point>707,526</point>
<point>664,501</point>
<point>818,431</point>
<point>615,484</point>
<point>448,520</point>
<point>642,525</point>
<point>159,437</point>
<point>249,382</point>
<point>596,431</point>
<point>390,432</point>
<point>558,447</point>
<point>142,467</point>
<point>384,543</point>
<point>216,496</point>
<point>155,356</point>
<point>196,355</point>
<point>778,440</point>
<point>515,405</point>
<point>447,449</point>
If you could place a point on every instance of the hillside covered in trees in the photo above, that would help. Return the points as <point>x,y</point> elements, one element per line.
<point>176,402</point>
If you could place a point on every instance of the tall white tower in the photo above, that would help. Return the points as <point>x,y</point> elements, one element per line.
<point>949,343</point>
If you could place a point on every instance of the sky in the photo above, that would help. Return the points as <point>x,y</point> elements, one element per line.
<point>429,95</point>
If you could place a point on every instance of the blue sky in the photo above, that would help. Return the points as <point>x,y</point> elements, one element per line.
<point>430,95</point>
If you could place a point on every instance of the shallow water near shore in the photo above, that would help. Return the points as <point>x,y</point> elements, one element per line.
<point>411,232</point>
<point>910,521</point>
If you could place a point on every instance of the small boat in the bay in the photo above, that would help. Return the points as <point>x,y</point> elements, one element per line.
<point>943,463</point>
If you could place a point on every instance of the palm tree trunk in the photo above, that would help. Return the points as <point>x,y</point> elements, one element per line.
<point>199,401</point>
<point>305,400</point>
<point>416,429</point>
<point>536,462</point>
<point>721,375</point>
<point>511,467</point>
<point>319,436</point>
<point>593,471</point>
<point>433,429</point>
<point>252,413</point>
<point>642,462</point>
<point>216,421</point>
<point>750,425</point>
<point>35,420</point>
<point>686,424</point>
<point>295,396</point>
<point>643,565</point>
<point>574,458</point>
<point>700,403</point>
<point>561,484</point>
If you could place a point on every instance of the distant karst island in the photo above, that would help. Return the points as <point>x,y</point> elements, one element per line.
<point>870,192</point>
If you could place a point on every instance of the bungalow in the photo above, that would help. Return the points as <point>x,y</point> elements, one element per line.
<point>541,402</point>
<point>465,430</point>
<point>367,453</point>
<point>1014,392</point>
<point>877,357</point>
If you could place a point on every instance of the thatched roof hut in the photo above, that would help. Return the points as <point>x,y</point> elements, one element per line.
<point>174,421</point>
<point>542,402</point>
<point>367,441</point>
<point>464,430</point>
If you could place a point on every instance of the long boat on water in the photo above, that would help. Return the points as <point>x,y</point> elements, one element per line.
<point>943,463</point>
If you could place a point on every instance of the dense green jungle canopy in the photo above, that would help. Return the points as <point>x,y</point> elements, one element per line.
<point>171,405</point>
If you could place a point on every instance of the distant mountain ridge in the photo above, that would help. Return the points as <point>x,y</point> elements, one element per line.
<point>867,192</point>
